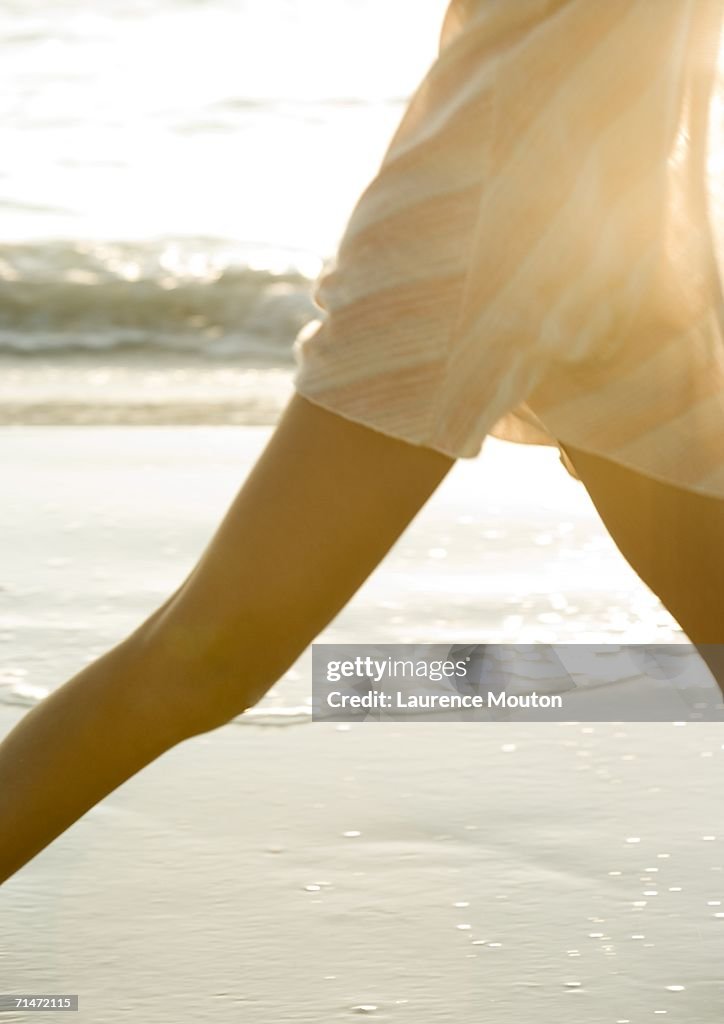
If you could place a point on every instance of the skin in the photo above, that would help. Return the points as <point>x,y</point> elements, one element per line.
<point>673,538</point>
<point>322,506</point>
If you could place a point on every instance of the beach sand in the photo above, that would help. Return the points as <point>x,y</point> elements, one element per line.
<point>284,870</point>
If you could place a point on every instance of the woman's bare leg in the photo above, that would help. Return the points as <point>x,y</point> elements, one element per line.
<point>324,503</point>
<point>673,538</point>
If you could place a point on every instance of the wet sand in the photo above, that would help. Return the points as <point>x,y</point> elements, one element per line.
<point>499,872</point>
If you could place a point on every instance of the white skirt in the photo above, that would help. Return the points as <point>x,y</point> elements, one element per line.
<point>540,255</point>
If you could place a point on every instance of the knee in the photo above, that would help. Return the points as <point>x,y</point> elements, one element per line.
<point>209,675</point>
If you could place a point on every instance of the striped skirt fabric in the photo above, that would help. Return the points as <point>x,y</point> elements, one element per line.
<point>540,254</point>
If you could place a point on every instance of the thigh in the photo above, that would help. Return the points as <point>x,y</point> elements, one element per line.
<point>673,538</point>
<point>322,506</point>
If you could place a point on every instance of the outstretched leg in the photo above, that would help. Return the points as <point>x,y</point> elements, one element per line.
<point>324,503</point>
<point>673,538</point>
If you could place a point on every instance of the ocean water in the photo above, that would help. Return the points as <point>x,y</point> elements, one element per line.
<point>174,175</point>
<point>101,525</point>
